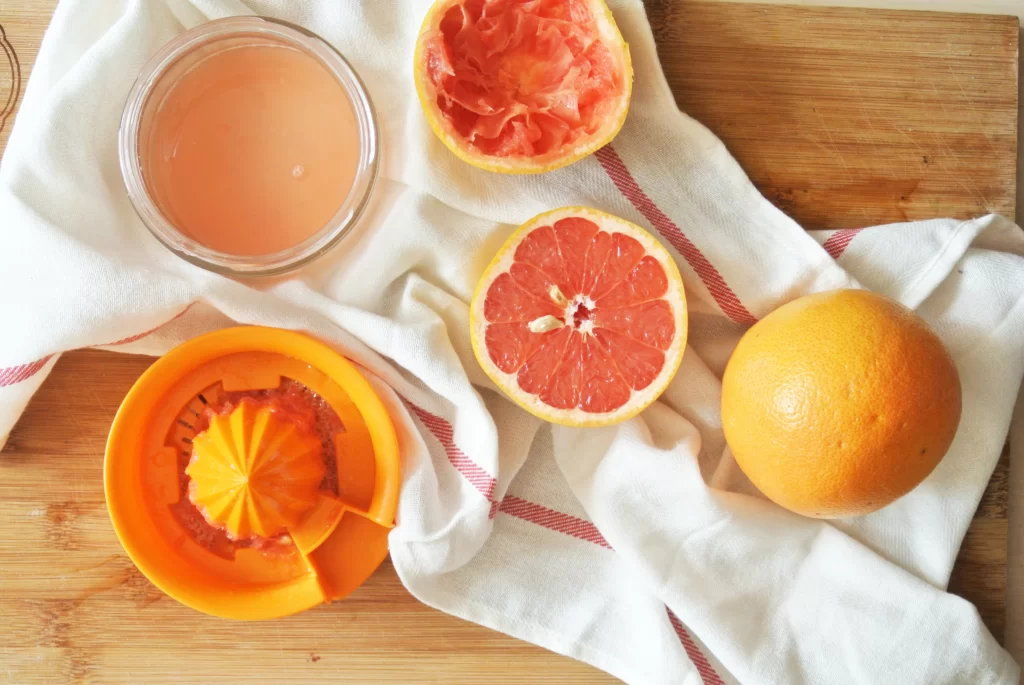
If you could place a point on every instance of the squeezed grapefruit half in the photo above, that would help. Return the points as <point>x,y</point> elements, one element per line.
<point>522,86</point>
<point>580,318</point>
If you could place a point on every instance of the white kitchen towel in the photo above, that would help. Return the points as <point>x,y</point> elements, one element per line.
<point>639,548</point>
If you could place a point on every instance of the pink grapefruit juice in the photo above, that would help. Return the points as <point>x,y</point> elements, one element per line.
<point>252,151</point>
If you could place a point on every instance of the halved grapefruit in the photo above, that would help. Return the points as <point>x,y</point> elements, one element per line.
<point>522,86</point>
<point>580,318</point>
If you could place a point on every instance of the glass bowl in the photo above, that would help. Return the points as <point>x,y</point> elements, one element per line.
<point>158,78</point>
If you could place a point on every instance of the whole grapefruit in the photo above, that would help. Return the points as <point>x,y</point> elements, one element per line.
<point>838,403</point>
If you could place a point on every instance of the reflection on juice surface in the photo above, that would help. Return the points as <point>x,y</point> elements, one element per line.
<point>252,151</point>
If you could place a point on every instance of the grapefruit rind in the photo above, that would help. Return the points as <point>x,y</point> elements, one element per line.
<point>639,399</point>
<point>838,403</point>
<point>556,159</point>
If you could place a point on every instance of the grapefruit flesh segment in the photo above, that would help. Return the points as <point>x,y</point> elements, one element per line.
<point>512,303</point>
<point>523,79</point>
<point>603,386</point>
<point>623,254</point>
<point>538,371</point>
<point>648,322</point>
<point>582,317</point>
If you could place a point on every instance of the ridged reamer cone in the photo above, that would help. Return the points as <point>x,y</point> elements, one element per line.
<point>254,473</point>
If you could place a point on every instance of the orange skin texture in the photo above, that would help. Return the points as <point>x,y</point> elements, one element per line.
<point>838,403</point>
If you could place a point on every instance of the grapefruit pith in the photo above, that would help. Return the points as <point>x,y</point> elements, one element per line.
<point>522,87</point>
<point>580,318</point>
<point>838,403</point>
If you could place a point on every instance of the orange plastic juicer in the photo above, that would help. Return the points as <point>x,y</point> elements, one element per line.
<point>252,473</point>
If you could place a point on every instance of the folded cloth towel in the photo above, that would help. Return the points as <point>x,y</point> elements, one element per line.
<point>639,548</point>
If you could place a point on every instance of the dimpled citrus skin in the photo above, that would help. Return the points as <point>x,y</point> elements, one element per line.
<point>838,403</point>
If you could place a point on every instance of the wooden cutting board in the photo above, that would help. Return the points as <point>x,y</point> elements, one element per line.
<point>841,117</point>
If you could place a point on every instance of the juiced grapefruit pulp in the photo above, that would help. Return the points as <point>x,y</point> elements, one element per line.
<point>535,84</point>
<point>581,318</point>
<point>294,403</point>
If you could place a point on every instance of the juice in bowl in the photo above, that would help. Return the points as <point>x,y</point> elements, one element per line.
<point>249,146</point>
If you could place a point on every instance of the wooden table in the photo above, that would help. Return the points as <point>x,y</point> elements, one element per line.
<point>842,117</point>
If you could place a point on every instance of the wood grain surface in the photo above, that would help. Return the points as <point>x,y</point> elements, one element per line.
<point>849,117</point>
<point>843,117</point>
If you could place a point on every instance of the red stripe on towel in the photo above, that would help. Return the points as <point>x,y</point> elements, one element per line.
<point>704,668</point>
<point>477,477</point>
<point>705,270</point>
<point>553,520</point>
<point>837,243</point>
<point>587,531</point>
<point>17,374</point>
<point>140,336</point>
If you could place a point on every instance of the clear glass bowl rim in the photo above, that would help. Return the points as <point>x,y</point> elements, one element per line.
<point>221,262</point>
